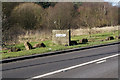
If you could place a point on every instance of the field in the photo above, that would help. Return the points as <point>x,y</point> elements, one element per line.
<point>93,39</point>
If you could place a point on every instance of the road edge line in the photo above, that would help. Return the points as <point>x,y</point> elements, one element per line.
<point>54,53</point>
<point>73,67</point>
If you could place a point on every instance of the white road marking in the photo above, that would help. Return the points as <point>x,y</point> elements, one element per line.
<point>72,67</point>
<point>101,62</point>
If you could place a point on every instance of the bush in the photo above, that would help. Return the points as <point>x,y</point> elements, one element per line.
<point>84,41</point>
<point>27,15</point>
<point>73,43</point>
<point>60,16</point>
<point>110,38</point>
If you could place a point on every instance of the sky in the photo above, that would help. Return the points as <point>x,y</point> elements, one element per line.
<point>114,2</point>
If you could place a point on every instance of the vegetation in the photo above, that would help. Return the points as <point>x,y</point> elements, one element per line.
<point>21,17</point>
<point>94,40</point>
<point>34,21</point>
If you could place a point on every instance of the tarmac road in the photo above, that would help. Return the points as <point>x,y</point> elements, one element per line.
<point>37,67</point>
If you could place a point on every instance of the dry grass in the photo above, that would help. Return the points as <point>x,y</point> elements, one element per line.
<point>94,30</point>
<point>35,37</point>
<point>38,36</point>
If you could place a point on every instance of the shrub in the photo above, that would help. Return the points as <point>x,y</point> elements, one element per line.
<point>27,15</point>
<point>84,41</point>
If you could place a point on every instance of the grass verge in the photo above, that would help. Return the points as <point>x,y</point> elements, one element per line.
<point>94,39</point>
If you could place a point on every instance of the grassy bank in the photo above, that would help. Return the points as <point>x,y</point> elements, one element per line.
<point>94,39</point>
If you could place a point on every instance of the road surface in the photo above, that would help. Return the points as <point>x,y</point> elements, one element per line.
<point>99,62</point>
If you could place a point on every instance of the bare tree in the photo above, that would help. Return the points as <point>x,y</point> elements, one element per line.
<point>60,16</point>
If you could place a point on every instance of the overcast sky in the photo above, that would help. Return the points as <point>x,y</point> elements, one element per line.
<point>114,2</point>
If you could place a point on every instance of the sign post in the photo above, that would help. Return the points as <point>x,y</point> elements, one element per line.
<point>61,37</point>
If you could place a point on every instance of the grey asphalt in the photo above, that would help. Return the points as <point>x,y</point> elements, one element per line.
<point>108,69</point>
<point>41,65</point>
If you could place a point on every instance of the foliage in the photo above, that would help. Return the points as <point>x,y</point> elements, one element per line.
<point>46,4</point>
<point>59,17</point>
<point>96,15</point>
<point>46,16</point>
<point>94,40</point>
<point>27,15</point>
<point>7,9</point>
